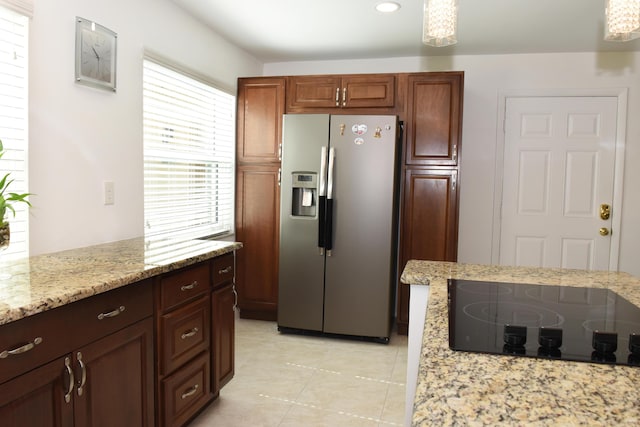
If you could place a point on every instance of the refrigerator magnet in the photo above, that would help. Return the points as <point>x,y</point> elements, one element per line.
<point>359,129</point>
<point>359,141</point>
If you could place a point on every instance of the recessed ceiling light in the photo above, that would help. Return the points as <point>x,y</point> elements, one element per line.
<point>387,7</point>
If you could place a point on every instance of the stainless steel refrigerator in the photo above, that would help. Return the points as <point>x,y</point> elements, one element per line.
<point>338,224</point>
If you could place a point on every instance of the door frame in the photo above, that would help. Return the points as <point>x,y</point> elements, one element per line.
<point>621,127</point>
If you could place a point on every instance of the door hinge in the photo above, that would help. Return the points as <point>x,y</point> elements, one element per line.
<point>279,176</point>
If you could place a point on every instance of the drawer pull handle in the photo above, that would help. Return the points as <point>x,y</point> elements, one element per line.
<point>190,286</point>
<point>190,392</point>
<point>72,381</point>
<point>112,313</point>
<point>21,349</point>
<point>225,270</point>
<point>83,375</point>
<point>189,334</point>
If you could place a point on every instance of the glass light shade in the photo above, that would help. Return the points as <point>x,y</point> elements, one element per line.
<point>440,22</point>
<point>387,7</point>
<point>622,20</point>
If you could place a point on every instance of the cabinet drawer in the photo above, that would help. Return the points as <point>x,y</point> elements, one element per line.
<point>106,313</point>
<point>184,333</point>
<point>55,332</point>
<point>19,337</point>
<point>184,285</point>
<point>186,392</point>
<point>223,269</point>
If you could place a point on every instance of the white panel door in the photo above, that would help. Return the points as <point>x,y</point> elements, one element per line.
<point>559,160</point>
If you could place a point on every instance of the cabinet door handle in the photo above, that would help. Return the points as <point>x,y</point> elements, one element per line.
<point>190,392</point>
<point>189,287</point>
<point>21,349</point>
<point>72,381</point>
<point>235,297</point>
<point>225,270</point>
<point>83,373</point>
<point>337,97</point>
<point>189,333</point>
<point>112,313</point>
<point>344,96</point>
<point>454,154</point>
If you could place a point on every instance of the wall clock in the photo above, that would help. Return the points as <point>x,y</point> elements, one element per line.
<point>95,55</point>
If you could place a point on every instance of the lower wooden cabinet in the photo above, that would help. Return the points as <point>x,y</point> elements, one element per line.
<point>118,389</point>
<point>155,352</point>
<point>223,302</point>
<point>195,337</point>
<point>106,383</point>
<point>429,224</point>
<point>258,228</point>
<point>37,397</point>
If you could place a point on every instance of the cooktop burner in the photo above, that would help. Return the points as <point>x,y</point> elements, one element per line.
<point>553,322</point>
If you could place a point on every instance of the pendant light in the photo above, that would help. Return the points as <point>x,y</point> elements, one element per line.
<point>440,23</point>
<point>622,20</point>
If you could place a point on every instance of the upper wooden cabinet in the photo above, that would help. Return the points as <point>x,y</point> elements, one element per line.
<point>260,105</point>
<point>434,118</point>
<point>307,93</point>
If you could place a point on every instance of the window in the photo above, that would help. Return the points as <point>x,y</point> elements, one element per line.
<point>14,42</point>
<point>189,146</point>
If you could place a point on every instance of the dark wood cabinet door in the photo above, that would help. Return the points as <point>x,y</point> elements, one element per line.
<point>37,398</point>
<point>258,228</point>
<point>331,92</point>
<point>261,103</point>
<point>429,223</point>
<point>223,300</point>
<point>370,91</point>
<point>118,387</point>
<point>309,92</point>
<point>434,119</point>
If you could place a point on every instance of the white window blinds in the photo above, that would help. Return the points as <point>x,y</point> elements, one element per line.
<point>189,146</point>
<point>14,43</point>
<point>23,7</point>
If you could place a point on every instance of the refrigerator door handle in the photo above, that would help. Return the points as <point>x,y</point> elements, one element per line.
<point>322,191</point>
<point>328,241</point>
<point>322,199</point>
<point>332,159</point>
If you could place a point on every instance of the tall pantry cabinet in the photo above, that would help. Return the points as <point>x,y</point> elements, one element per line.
<point>429,104</point>
<point>429,209</point>
<point>260,105</point>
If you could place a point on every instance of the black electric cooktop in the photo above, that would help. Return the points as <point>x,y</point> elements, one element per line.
<point>551,322</point>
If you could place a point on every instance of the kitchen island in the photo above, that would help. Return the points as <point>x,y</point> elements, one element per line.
<point>460,388</point>
<point>134,332</point>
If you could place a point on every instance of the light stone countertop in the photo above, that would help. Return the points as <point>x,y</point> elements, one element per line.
<point>32,285</point>
<point>470,389</point>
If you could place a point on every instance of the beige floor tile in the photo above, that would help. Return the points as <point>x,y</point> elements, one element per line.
<point>284,380</point>
<point>309,416</point>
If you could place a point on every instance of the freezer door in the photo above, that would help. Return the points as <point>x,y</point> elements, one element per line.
<point>358,277</point>
<point>301,268</point>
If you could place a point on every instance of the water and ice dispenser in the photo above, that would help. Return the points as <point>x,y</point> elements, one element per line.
<point>304,194</point>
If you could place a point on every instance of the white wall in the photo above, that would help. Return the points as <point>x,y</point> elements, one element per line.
<point>487,76</point>
<point>80,136</point>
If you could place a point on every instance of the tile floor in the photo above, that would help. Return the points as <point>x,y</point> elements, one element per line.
<point>285,380</point>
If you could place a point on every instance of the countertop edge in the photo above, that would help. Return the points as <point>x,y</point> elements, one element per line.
<point>131,273</point>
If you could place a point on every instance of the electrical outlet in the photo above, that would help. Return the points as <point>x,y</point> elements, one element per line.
<point>109,193</point>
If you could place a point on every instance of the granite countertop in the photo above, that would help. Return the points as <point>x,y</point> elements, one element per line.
<point>470,389</point>
<point>32,285</point>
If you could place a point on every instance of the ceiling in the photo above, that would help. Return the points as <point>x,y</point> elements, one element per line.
<point>302,30</point>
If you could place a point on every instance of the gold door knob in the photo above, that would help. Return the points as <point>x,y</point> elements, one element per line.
<point>604,231</point>
<point>605,211</point>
